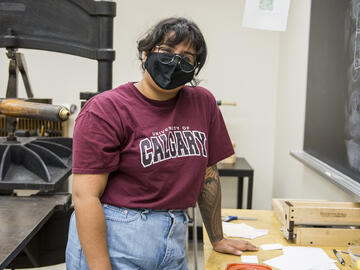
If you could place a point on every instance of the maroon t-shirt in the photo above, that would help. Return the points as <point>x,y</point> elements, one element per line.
<point>155,151</point>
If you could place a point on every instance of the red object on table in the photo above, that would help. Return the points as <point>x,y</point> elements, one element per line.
<point>246,266</point>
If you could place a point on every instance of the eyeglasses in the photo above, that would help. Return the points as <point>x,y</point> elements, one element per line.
<point>166,56</point>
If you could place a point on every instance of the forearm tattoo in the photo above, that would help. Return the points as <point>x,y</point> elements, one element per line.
<point>210,204</point>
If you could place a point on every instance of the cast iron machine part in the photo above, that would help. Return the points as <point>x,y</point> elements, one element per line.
<point>78,27</point>
<point>42,164</point>
<point>43,161</point>
<point>36,163</point>
<point>30,162</point>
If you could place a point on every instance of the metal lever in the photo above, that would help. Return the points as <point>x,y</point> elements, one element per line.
<point>13,72</point>
<point>20,61</point>
<point>17,62</point>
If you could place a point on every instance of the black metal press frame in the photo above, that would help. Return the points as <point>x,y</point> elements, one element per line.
<point>78,27</point>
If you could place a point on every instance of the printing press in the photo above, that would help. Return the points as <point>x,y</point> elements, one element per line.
<point>35,204</point>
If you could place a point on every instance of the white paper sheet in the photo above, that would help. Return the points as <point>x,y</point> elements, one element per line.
<point>303,258</point>
<point>266,14</point>
<point>271,246</point>
<point>242,230</point>
<point>249,259</point>
<point>308,251</point>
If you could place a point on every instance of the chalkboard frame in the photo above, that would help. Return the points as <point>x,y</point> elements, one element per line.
<point>336,177</point>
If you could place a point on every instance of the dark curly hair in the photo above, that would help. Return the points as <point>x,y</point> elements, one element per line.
<point>175,31</point>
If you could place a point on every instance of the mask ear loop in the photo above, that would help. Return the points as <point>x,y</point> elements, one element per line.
<point>142,61</point>
<point>143,55</point>
<point>197,70</point>
<point>194,82</point>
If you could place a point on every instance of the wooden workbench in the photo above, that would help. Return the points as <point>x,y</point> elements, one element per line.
<point>265,220</point>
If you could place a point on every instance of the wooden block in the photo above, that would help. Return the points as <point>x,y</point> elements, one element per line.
<point>327,236</point>
<point>322,213</point>
<point>278,205</point>
<point>229,160</point>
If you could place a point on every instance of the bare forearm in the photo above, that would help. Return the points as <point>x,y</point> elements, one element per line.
<point>91,228</point>
<point>210,204</point>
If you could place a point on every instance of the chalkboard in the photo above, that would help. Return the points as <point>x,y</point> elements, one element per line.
<point>332,121</point>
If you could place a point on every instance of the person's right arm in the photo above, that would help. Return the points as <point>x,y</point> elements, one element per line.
<point>90,219</point>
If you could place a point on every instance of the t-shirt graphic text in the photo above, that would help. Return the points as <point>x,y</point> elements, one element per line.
<point>173,144</point>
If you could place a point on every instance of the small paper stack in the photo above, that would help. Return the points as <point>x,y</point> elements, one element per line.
<point>303,258</point>
<point>249,259</point>
<point>242,230</point>
<point>272,246</point>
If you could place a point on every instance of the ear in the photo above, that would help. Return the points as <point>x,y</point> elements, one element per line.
<point>144,57</point>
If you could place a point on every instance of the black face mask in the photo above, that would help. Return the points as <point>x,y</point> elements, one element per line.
<point>166,76</point>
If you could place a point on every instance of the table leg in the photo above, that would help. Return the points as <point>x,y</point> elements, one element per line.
<point>250,190</point>
<point>195,238</point>
<point>240,192</point>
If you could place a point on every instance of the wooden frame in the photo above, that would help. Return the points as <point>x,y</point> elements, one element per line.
<point>319,223</point>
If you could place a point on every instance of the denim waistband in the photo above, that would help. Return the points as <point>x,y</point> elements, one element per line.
<point>158,210</point>
<point>147,209</point>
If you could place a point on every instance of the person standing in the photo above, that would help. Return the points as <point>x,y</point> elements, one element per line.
<point>143,153</point>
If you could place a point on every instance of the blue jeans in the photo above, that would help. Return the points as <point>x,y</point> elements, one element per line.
<point>137,239</point>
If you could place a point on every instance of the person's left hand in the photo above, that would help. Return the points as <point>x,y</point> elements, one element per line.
<point>233,246</point>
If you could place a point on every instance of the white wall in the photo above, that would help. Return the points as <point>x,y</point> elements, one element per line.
<point>291,178</point>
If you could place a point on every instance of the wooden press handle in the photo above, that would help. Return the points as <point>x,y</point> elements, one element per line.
<point>40,111</point>
<point>220,103</point>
